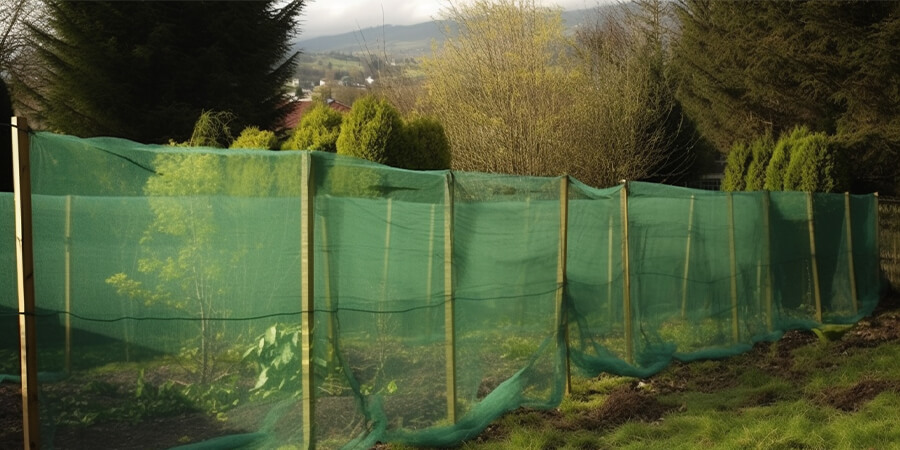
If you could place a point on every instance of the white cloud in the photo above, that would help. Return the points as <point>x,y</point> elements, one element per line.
<point>326,17</point>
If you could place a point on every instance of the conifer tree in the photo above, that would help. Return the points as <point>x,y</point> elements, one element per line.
<point>146,70</point>
<point>761,152</point>
<point>736,167</point>
<point>830,65</point>
<point>6,170</point>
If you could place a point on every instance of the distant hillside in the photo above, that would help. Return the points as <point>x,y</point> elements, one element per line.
<point>411,40</point>
<point>401,40</point>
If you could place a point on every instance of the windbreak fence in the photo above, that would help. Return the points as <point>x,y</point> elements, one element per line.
<point>279,299</point>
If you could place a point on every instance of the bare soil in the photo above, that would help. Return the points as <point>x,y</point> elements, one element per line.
<point>636,401</point>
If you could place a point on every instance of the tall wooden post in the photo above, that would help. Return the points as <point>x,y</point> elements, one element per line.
<point>687,259</point>
<point>850,266</point>
<point>307,315</point>
<point>626,272</point>
<point>430,273</point>
<point>609,269</point>
<point>877,271</point>
<point>767,258</point>
<point>449,310</point>
<point>326,283</point>
<point>561,310</point>
<point>68,284</point>
<point>387,254</point>
<point>810,215</point>
<point>25,281</point>
<point>735,330</point>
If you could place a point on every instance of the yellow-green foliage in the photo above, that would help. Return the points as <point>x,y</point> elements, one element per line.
<point>425,145</point>
<point>210,130</point>
<point>372,130</point>
<point>761,152</point>
<point>735,167</point>
<point>318,130</point>
<point>254,138</point>
<point>778,163</point>
<point>814,166</point>
<point>798,158</point>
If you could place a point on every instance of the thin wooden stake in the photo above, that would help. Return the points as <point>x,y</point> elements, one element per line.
<point>307,316</point>
<point>767,258</point>
<point>877,271</point>
<point>25,281</point>
<point>687,259</point>
<point>449,310</point>
<point>609,269</point>
<point>387,254</point>
<point>626,269</point>
<point>430,276</point>
<point>812,255</point>
<point>68,284</point>
<point>561,311</point>
<point>326,281</point>
<point>735,330</point>
<point>851,267</point>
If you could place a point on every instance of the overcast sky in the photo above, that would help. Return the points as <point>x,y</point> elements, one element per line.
<point>327,17</point>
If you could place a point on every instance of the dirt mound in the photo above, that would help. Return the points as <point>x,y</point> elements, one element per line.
<point>627,403</point>
<point>854,397</point>
<point>882,326</point>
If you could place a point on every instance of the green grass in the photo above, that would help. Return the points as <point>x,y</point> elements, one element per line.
<point>735,403</point>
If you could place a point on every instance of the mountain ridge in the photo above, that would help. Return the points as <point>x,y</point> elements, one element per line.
<point>414,40</point>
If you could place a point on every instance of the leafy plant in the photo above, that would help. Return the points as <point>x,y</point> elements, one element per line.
<point>277,359</point>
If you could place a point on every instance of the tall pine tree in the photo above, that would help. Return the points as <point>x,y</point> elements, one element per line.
<point>146,70</point>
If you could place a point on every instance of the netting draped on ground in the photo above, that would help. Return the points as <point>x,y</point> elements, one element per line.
<point>169,282</point>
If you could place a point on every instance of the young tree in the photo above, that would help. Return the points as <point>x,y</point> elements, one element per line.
<point>814,165</point>
<point>736,167</point>
<point>145,70</point>
<point>761,152</point>
<point>518,96</point>
<point>498,89</point>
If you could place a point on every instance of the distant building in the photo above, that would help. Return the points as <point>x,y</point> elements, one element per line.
<point>299,107</point>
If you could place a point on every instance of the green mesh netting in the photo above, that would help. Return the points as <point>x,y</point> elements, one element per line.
<point>168,284</point>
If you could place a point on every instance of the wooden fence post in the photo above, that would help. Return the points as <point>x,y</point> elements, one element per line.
<point>25,281</point>
<point>767,258</point>
<point>430,274</point>
<point>851,267</point>
<point>68,285</point>
<point>687,259</point>
<point>326,283</point>
<point>307,315</point>
<point>561,310</point>
<point>609,268</point>
<point>877,270</point>
<point>449,310</point>
<point>810,215</point>
<point>735,330</point>
<point>629,341</point>
<point>387,254</point>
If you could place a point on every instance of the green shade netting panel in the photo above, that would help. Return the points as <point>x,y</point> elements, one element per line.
<point>182,273</point>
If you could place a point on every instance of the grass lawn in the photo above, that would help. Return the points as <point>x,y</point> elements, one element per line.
<point>799,392</point>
